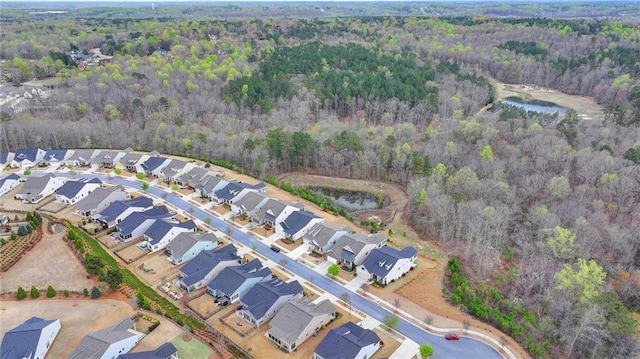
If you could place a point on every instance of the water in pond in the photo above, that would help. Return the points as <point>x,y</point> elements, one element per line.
<point>351,201</point>
<point>535,105</point>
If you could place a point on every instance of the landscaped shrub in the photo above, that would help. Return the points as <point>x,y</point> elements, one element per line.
<point>95,292</point>
<point>51,292</point>
<point>35,293</point>
<point>85,292</point>
<point>66,293</point>
<point>21,293</point>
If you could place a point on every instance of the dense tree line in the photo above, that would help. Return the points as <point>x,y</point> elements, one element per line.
<point>529,202</point>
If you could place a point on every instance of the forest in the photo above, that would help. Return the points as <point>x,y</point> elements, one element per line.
<point>540,212</point>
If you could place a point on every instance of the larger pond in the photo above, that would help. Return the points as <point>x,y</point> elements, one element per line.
<point>350,201</point>
<point>535,105</point>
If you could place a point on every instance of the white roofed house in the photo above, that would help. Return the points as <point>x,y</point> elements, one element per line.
<point>73,191</point>
<point>108,343</point>
<point>37,188</point>
<point>275,211</point>
<point>385,265</point>
<point>297,225</point>
<point>352,249</point>
<point>8,183</point>
<point>162,232</point>
<point>99,199</point>
<point>174,169</point>
<point>298,320</point>
<point>31,339</point>
<point>187,245</point>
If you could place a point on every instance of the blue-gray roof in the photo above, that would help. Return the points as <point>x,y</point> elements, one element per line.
<point>152,163</point>
<point>3,157</point>
<point>231,190</point>
<point>162,352</point>
<point>22,341</point>
<point>381,260</point>
<point>205,262</point>
<point>296,221</point>
<point>12,176</point>
<point>346,341</point>
<point>160,228</point>
<point>57,155</point>
<point>116,208</point>
<point>231,278</point>
<point>135,219</point>
<point>26,154</point>
<point>259,299</point>
<point>71,188</point>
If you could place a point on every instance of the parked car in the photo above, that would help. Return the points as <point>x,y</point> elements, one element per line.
<point>275,248</point>
<point>452,336</point>
<point>223,301</point>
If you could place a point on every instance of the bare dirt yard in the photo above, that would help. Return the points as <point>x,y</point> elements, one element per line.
<point>60,267</point>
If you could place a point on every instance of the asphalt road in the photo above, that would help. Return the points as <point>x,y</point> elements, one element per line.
<point>465,348</point>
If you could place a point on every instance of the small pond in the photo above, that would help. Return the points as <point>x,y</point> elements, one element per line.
<point>535,105</point>
<point>351,201</point>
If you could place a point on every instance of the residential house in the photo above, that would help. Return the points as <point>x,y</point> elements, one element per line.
<point>233,191</point>
<point>108,343</point>
<point>352,248</point>
<point>250,203</point>
<point>129,161</point>
<point>175,169</point>
<point>194,177</point>
<point>297,225</point>
<point>275,211</point>
<point>153,165</point>
<point>27,158</point>
<point>5,159</point>
<point>4,219</point>
<point>234,282</point>
<point>137,223</point>
<point>96,201</point>
<point>8,183</point>
<point>322,237</point>
<point>298,320</point>
<point>385,265</point>
<point>31,339</point>
<point>55,158</point>
<point>265,299</point>
<point>108,159</point>
<point>209,185</point>
<point>188,244</point>
<point>119,210</point>
<point>80,158</point>
<point>73,191</point>
<point>165,351</point>
<point>348,341</point>
<point>37,188</point>
<point>205,266</point>
<point>161,233</point>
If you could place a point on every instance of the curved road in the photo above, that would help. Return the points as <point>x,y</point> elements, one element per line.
<point>443,349</point>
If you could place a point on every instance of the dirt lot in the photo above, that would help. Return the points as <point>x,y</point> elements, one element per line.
<point>62,270</point>
<point>389,347</point>
<point>158,268</point>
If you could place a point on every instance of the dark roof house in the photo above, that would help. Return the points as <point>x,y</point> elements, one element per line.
<point>31,339</point>
<point>348,341</point>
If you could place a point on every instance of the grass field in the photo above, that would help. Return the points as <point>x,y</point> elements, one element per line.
<point>191,349</point>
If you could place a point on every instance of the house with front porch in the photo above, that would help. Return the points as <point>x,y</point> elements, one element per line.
<point>296,225</point>
<point>175,169</point>
<point>322,237</point>
<point>234,282</point>
<point>297,320</point>
<point>81,157</point>
<point>265,299</point>
<point>162,232</point>
<point>55,158</point>
<point>99,199</point>
<point>187,245</point>
<point>108,159</point>
<point>153,165</point>
<point>205,266</point>
<point>35,189</point>
<point>130,160</point>
<point>275,211</point>
<point>234,191</point>
<point>74,190</point>
<point>385,265</point>
<point>209,185</point>
<point>352,248</point>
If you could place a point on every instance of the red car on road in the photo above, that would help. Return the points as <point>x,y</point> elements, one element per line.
<point>452,336</point>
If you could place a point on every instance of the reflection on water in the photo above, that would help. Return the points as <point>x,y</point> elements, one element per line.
<point>350,201</point>
<point>535,105</point>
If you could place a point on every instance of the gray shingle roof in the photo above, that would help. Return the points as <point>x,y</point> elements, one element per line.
<point>116,208</point>
<point>35,185</point>
<point>71,188</point>
<point>259,299</point>
<point>350,245</point>
<point>162,352</point>
<point>22,341</point>
<point>296,221</point>
<point>381,260</point>
<point>231,278</point>
<point>160,228</point>
<point>130,159</point>
<point>292,319</point>
<point>205,262</point>
<point>251,200</point>
<point>321,233</point>
<point>83,155</point>
<point>173,168</point>
<point>135,219</point>
<point>91,201</point>
<point>186,240</point>
<point>93,345</point>
<point>152,163</point>
<point>346,341</point>
<point>10,177</point>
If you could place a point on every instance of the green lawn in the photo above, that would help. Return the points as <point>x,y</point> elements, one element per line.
<point>191,349</point>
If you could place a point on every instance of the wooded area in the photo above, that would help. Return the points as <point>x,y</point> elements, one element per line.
<point>542,213</point>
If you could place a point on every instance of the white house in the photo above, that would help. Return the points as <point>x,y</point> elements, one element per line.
<point>8,183</point>
<point>297,225</point>
<point>348,341</point>
<point>352,249</point>
<point>37,188</point>
<point>161,233</point>
<point>108,343</point>
<point>250,203</point>
<point>31,339</point>
<point>175,169</point>
<point>235,281</point>
<point>187,245</point>
<point>119,210</point>
<point>82,157</point>
<point>27,158</point>
<point>322,237</point>
<point>137,223</point>
<point>298,320</point>
<point>205,266</point>
<point>5,159</point>
<point>73,191</point>
<point>96,201</point>
<point>265,299</point>
<point>275,211</point>
<point>153,165</point>
<point>385,265</point>
<point>55,158</point>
